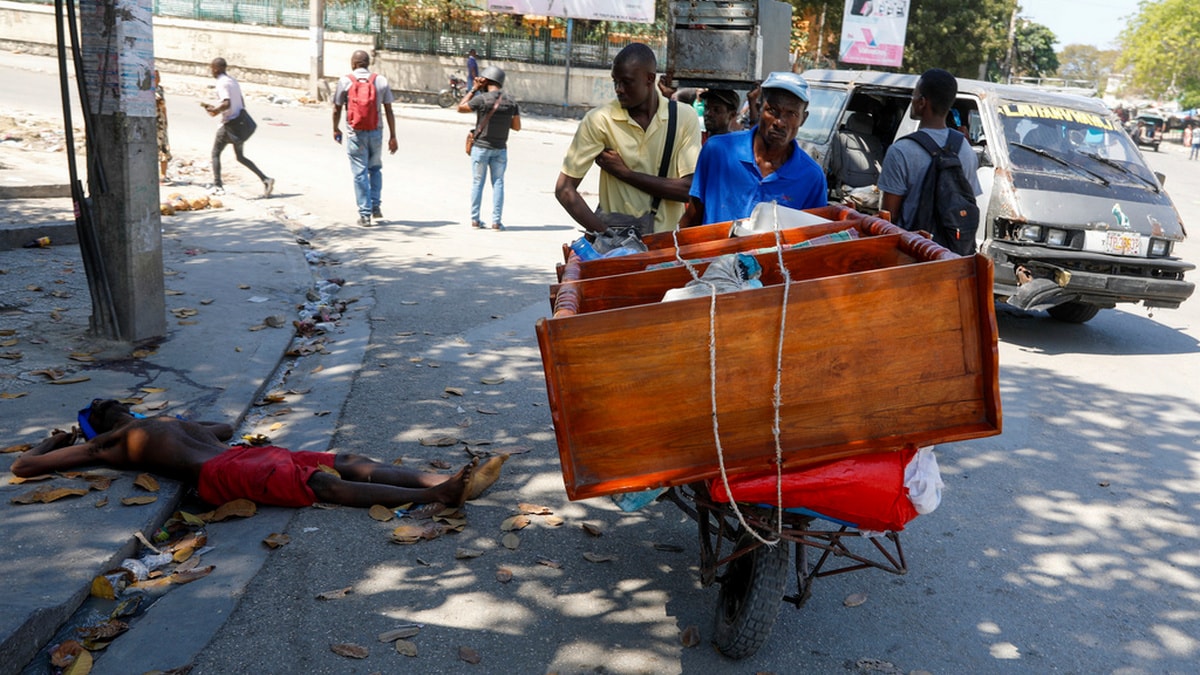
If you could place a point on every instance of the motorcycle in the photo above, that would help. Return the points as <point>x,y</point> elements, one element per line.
<point>454,93</point>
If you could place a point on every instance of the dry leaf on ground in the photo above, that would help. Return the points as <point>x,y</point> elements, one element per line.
<point>510,541</point>
<point>22,447</point>
<point>399,633</point>
<point>47,494</point>
<point>381,513</point>
<point>514,523</point>
<point>190,575</point>
<point>690,637</point>
<point>335,594</point>
<point>239,508</point>
<point>457,391</point>
<point>504,575</point>
<point>412,533</point>
<point>593,530</point>
<point>598,557</point>
<point>406,647</point>
<point>70,656</point>
<point>469,655</point>
<point>103,632</point>
<point>146,482</point>
<point>72,380</point>
<point>534,509</point>
<point>276,539</point>
<point>855,599</point>
<point>491,380</point>
<point>466,553</point>
<point>139,501</point>
<point>439,441</point>
<point>550,562</point>
<point>552,521</point>
<point>350,650</point>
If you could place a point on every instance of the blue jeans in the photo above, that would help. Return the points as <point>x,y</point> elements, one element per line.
<point>1195,149</point>
<point>481,160</point>
<point>365,149</point>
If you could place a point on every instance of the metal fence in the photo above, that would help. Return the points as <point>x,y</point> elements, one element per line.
<point>349,17</point>
<point>516,45</point>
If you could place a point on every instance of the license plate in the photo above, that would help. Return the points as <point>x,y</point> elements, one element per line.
<point>1122,243</point>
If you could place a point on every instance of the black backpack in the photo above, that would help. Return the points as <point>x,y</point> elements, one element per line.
<point>947,207</point>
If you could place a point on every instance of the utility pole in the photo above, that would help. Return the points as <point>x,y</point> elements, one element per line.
<point>316,61</point>
<point>118,70</point>
<point>1006,76</point>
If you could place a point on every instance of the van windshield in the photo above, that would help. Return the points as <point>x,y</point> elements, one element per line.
<point>1057,139</point>
<point>824,109</point>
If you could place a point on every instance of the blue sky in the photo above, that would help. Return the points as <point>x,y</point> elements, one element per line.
<point>1081,21</point>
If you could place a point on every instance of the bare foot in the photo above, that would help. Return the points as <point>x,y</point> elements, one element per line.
<point>485,475</point>
<point>453,491</point>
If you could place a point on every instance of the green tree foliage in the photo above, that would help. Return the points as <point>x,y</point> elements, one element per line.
<point>954,35</point>
<point>1085,62</point>
<point>1161,47</point>
<point>1034,53</point>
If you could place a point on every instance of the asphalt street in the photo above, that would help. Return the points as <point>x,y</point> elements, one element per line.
<point>1066,544</point>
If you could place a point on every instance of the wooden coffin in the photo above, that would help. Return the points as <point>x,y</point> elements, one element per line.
<point>715,236</point>
<point>890,339</point>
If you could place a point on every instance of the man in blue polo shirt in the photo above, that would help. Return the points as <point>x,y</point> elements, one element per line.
<point>737,171</point>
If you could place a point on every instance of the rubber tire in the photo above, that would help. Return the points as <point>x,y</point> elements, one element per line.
<point>749,599</point>
<point>446,98</point>
<point>1074,312</point>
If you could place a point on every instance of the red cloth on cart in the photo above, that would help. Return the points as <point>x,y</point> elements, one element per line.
<point>866,491</point>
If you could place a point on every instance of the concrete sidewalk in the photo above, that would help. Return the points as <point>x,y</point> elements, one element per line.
<point>228,270</point>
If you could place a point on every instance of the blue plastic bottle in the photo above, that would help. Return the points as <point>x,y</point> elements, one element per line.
<point>583,249</point>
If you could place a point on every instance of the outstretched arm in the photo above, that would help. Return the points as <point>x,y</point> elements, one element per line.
<point>55,454</point>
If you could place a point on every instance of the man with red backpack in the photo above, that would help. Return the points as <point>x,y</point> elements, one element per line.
<point>362,93</point>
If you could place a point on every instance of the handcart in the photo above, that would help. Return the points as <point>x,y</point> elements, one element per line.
<point>878,342</point>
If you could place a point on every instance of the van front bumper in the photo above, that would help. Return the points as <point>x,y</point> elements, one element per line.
<point>1085,276</point>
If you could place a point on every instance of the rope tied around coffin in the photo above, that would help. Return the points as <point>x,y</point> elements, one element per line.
<point>777,395</point>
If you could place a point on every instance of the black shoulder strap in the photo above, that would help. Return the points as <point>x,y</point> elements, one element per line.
<point>924,140</point>
<point>666,156</point>
<point>954,141</point>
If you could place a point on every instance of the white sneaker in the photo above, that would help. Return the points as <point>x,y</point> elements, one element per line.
<point>216,190</point>
<point>268,187</point>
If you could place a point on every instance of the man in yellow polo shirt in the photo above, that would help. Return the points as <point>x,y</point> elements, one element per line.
<point>626,139</point>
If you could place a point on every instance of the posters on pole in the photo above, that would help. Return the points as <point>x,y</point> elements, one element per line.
<point>117,41</point>
<point>873,32</point>
<point>632,11</point>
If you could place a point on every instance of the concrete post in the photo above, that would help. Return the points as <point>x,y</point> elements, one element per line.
<point>118,56</point>
<point>316,37</point>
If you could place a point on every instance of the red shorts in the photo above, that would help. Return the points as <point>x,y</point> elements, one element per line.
<point>266,475</point>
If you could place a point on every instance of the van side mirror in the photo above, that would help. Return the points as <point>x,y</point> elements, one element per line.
<point>1162,177</point>
<point>982,154</point>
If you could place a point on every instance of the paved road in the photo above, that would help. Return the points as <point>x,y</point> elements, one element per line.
<point>1067,544</point>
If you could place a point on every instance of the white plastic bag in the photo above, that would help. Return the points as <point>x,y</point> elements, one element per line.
<point>924,481</point>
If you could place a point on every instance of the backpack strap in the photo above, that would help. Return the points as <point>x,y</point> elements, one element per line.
<point>666,156</point>
<point>954,141</point>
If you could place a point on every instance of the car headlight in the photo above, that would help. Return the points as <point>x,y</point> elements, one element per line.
<point>1159,248</point>
<point>1030,233</point>
<point>1055,237</point>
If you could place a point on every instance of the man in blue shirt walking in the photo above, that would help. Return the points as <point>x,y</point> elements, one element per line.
<point>739,170</point>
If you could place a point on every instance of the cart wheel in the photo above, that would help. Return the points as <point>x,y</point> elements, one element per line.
<point>748,603</point>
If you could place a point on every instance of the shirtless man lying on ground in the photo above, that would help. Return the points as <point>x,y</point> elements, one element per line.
<point>195,453</point>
